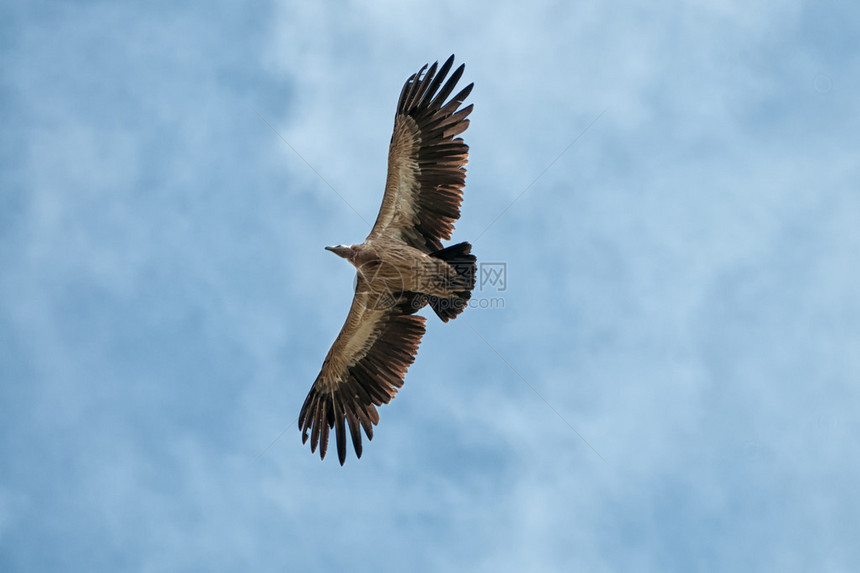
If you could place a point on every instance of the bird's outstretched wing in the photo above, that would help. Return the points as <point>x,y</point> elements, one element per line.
<point>426,161</point>
<point>363,369</point>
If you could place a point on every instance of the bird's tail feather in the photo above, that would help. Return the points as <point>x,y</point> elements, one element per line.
<point>463,268</point>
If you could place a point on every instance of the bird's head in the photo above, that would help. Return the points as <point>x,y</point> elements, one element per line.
<point>345,251</point>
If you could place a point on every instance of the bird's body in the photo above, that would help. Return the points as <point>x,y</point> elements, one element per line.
<point>401,265</point>
<point>391,266</point>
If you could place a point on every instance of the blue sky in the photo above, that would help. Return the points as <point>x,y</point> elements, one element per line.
<point>682,288</point>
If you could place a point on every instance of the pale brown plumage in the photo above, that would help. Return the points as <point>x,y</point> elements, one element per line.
<point>401,265</point>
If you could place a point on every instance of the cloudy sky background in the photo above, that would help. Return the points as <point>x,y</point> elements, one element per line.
<point>682,288</point>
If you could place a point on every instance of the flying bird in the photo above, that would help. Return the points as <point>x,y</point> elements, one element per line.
<point>401,266</point>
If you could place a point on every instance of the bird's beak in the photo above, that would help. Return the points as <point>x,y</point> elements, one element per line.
<point>340,251</point>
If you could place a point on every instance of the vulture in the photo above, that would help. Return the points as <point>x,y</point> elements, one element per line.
<point>401,266</point>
